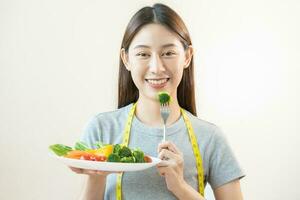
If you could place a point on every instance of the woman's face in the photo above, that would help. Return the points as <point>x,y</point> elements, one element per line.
<point>156,59</point>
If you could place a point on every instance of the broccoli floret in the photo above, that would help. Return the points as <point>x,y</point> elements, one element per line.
<point>113,158</point>
<point>117,148</point>
<point>164,97</point>
<point>129,159</point>
<point>125,152</point>
<point>139,156</point>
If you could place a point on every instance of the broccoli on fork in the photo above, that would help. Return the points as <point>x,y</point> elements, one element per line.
<point>164,98</point>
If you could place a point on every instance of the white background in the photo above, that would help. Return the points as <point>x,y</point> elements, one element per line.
<point>59,67</point>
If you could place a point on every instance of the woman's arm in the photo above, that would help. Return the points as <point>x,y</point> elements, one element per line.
<point>188,192</point>
<point>171,168</point>
<point>229,191</point>
<point>94,188</point>
<point>95,184</point>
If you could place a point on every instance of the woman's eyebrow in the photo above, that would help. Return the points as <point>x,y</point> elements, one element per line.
<point>169,45</point>
<point>141,46</point>
<point>163,46</point>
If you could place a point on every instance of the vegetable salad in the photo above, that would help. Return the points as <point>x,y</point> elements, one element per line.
<point>103,153</point>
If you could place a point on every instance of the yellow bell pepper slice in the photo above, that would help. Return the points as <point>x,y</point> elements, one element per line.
<point>104,151</point>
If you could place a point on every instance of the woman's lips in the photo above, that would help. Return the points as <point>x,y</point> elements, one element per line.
<point>158,83</point>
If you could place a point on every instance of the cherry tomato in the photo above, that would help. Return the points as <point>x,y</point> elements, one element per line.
<point>93,157</point>
<point>83,155</point>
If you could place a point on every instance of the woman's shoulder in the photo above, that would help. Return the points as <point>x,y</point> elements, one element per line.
<point>109,117</point>
<point>100,125</point>
<point>201,123</point>
<point>205,129</point>
<point>114,114</point>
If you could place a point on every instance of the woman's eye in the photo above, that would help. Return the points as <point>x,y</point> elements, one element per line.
<point>143,55</point>
<point>169,53</point>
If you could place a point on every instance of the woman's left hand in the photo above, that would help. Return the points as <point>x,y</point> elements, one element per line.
<point>171,166</point>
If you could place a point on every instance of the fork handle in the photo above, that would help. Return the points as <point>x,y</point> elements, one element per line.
<point>164,136</point>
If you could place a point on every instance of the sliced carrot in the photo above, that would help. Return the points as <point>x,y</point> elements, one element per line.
<point>147,159</point>
<point>76,154</point>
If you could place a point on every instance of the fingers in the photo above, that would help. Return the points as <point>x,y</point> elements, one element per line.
<point>166,154</point>
<point>76,170</point>
<point>170,155</point>
<point>168,145</point>
<point>163,170</point>
<point>92,172</point>
<point>168,150</point>
<point>165,163</point>
<point>169,159</point>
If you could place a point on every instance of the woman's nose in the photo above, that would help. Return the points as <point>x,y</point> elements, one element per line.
<point>156,64</point>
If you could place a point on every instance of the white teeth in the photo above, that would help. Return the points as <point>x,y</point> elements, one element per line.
<point>157,82</point>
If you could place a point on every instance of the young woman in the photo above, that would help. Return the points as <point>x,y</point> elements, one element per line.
<point>157,55</point>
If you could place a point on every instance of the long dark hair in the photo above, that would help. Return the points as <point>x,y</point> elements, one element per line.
<point>164,15</point>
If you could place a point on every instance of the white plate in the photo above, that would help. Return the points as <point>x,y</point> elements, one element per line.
<point>106,166</point>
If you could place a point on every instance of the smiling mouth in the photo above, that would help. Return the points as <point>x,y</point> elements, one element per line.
<point>157,81</point>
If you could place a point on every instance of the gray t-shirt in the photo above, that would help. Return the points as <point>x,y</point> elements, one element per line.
<point>220,164</point>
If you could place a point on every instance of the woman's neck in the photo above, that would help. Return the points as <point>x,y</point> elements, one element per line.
<point>148,112</point>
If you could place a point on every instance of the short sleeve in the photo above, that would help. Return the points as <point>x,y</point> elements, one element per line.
<point>92,132</point>
<point>223,165</point>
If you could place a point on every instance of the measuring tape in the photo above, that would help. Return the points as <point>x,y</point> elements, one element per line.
<point>193,140</point>
<point>125,143</point>
<point>196,151</point>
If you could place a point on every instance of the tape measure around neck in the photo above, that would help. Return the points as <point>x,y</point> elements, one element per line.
<point>196,151</point>
<point>193,140</point>
<point>125,142</point>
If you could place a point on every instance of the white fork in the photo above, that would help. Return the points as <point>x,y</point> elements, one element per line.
<point>164,112</point>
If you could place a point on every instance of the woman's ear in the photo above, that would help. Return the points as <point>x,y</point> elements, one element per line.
<point>189,52</point>
<point>124,57</point>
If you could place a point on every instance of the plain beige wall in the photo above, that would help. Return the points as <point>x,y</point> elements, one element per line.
<point>59,66</point>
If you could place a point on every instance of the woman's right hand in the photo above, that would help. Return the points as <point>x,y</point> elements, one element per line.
<point>92,172</point>
<point>95,184</point>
